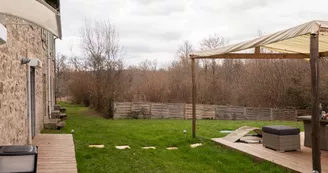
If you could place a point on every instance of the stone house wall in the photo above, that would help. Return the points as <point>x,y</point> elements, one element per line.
<point>22,37</point>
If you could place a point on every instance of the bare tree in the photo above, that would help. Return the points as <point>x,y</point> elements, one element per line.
<point>183,52</point>
<point>212,42</point>
<point>101,47</point>
<point>179,75</point>
<point>148,65</point>
<point>98,77</point>
<point>60,70</point>
<point>210,70</point>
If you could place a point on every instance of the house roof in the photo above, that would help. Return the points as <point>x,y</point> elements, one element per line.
<point>34,11</point>
<point>294,40</point>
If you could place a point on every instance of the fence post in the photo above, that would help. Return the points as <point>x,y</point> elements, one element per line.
<point>214,112</point>
<point>184,111</point>
<point>296,112</point>
<point>162,110</point>
<point>114,110</point>
<point>150,110</point>
<point>131,106</point>
<point>245,112</point>
<point>271,114</point>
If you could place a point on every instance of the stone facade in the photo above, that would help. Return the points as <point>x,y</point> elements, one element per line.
<point>23,38</point>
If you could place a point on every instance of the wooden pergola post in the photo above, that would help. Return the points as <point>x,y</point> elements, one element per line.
<point>193,71</point>
<point>314,63</point>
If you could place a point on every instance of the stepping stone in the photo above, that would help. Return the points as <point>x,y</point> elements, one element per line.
<point>226,131</point>
<point>96,146</point>
<point>151,147</point>
<point>172,148</point>
<point>122,147</point>
<point>195,145</point>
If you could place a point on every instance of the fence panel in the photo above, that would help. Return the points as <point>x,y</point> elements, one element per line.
<point>173,111</point>
<point>236,112</point>
<point>264,114</point>
<point>142,108</point>
<point>157,110</point>
<point>284,114</point>
<point>122,110</point>
<point>251,113</point>
<point>221,112</point>
<point>188,111</point>
<point>208,112</point>
<point>181,110</point>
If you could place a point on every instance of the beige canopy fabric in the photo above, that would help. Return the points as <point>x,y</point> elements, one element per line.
<point>293,40</point>
<point>35,11</point>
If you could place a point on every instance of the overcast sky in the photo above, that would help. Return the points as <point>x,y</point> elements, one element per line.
<point>153,29</point>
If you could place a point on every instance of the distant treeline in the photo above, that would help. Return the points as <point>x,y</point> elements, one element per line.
<point>98,78</point>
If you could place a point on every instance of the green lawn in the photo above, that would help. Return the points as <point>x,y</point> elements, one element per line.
<point>91,129</point>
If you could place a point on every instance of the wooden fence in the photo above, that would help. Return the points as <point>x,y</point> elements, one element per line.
<point>184,111</point>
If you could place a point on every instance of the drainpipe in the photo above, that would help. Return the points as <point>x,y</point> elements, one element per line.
<point>25,60</point>
<point>55,66</point>
<point>49,77</point>
<point>29,138</point>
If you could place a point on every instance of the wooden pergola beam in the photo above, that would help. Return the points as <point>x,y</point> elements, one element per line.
<point>255,56</point>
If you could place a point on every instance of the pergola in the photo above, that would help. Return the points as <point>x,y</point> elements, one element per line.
<point>309,40</point>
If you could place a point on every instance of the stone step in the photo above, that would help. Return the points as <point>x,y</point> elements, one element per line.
<point>58,115</point>
<point>63,110</point>
<point>54,124</point>
<point>51,124</point>
<point>63,116</point>
<point>57,107</point>
<point>55,112</point>
<point>60,125</point>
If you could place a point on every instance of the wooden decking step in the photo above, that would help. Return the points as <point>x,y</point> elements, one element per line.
<point>56,153</point>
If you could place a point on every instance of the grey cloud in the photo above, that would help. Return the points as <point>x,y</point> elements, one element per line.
<point>238,6</point>
<point>248,5</point>
<point>313,15</point>
<point>148,46</point>
<point>153,29</point>
<point>153,8</point>
<point>147,2</point>
<point>149,34</point>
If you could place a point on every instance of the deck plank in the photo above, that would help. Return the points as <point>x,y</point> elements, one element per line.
<point>56,153</point>
<point>300,161</point>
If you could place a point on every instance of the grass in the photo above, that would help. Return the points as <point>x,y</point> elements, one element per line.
<point>92,129</point>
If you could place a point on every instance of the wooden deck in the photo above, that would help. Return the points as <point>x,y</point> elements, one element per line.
<point>300,161</point>
<point>56,153</point>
